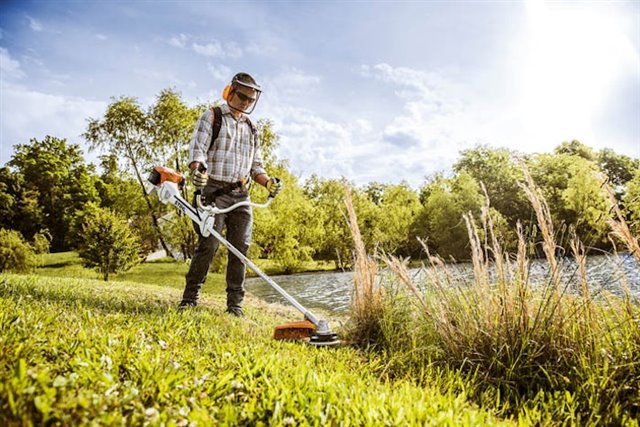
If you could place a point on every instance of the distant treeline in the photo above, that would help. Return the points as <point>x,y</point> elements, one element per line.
<point>47,188</point>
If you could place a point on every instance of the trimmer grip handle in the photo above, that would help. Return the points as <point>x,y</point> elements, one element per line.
<point>202,168</point>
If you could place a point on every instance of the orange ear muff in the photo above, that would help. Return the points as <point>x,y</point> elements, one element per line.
<point>226,92</point>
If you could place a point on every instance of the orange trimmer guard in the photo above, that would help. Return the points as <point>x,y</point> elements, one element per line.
<point>294,331</point>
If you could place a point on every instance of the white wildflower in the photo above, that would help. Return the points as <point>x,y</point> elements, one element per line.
<point>289,421</point>
<point>237,385</point>
<point>60,381</point>
<point>112,390</point>
<point>163,344</point>
<point>152,414</point>
<point>106,361</point>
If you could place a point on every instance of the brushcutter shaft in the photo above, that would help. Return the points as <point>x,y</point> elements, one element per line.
<point>246,261</point>
<point>204,216</point>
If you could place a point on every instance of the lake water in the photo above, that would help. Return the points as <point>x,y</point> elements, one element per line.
<point>331,291</point>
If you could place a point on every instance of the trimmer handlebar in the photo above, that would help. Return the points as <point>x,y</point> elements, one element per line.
<point>216,210</point>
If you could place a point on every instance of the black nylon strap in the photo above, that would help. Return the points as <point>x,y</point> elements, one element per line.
<point>217,124</point>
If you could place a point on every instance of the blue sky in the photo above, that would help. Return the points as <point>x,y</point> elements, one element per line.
<point>372,91</point>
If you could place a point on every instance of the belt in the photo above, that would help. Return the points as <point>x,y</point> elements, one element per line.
<point>226,187</point>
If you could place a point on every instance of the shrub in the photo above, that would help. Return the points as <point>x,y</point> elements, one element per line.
<point>15,253</point>
<point>108,243</point>
<point>42,242</point>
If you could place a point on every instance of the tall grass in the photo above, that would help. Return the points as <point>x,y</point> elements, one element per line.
<point>539,350</point>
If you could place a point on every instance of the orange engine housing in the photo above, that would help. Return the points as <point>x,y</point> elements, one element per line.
<point>162,174</point>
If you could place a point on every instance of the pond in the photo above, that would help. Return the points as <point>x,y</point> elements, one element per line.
<point>331,291</point>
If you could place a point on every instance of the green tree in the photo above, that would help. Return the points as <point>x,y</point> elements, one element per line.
<point>441,223</point>
<point>585,202</point>
<point>575,148</point>
<point>619,168</point>
<point>500,173</point>
<point>398,209</point>
<point>120,192</point>
<point>171,123</point>
<point>15,253</point>
<point>19,206</point>
<point>327,197</point>
<point>57,174</point>
<point>108,243</point>
<point>631,202</point>
<point>572,192</point>
<point>288,231</point>
<point>125,132</point>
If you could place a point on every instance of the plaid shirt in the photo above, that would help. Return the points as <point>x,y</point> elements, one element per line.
<point>234,155</point>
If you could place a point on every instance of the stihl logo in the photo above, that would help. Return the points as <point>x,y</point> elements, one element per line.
<point>181,205</point>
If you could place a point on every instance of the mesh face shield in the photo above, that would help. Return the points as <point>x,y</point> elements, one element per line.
<point>242,98</point>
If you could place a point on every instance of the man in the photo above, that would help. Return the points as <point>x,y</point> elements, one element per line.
<point>230,159</point>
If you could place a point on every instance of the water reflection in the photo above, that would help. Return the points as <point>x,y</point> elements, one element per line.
<point>331,291</point>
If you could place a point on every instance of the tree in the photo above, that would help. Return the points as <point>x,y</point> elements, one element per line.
<point>108,243</point>
<point>398,209</point>
<point>126,133</point>
<point>56,174</point>
<point>327,197</point>
<point>618,167</point>
<point>441,220</point>
<point>19,206</point>
<point>631,202</point>
<point>575,148</point>
<point>500,173</point>
<point>171,123</point>
<point>572,191</point>
<point>15,253</point>
<point>288,231</point>
<point>584,199</point>
<point>120,192</point>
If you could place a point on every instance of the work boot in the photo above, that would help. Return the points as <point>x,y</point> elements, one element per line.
<point>235,311</point>
<point>186,304</point>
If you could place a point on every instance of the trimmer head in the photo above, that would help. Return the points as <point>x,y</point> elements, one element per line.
<point>324,339</point>
<point>306,331</point>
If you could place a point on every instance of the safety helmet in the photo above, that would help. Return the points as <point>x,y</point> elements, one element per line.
<point>242,79</point>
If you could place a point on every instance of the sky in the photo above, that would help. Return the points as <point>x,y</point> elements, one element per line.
<point>383,91</point>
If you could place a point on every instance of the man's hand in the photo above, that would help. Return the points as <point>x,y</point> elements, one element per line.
<point>274,185</point>
<point>199,179</point>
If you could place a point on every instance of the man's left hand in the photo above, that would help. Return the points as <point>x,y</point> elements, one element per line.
<point>274,186</point>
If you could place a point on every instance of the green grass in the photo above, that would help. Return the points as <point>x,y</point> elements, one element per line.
<point>82,351</point>
<point>163,272</point>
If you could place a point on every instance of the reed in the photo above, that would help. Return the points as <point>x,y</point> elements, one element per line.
<point>367,303</point>
<point>538,350</point>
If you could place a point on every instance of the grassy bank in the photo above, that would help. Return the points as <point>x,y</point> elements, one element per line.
<point>163,272</point>
<point>82,351</point>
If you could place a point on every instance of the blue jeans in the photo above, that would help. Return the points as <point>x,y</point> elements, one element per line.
<point>239,223</point>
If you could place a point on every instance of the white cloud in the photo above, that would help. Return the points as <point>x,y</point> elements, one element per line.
<point>164,77</point>
<point>34,24</point>
<point>312,144</point>
<point>27,114</point>
<point>9,67</point>
<point>101,37</point>
<point>215,49</point>
<point>179,40</point>
<point>220,72</point>
<point>292,82</point>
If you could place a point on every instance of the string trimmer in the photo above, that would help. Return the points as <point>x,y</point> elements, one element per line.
<point>167,183</point>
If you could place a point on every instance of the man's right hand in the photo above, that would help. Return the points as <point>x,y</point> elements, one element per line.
<point>199,179</point>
